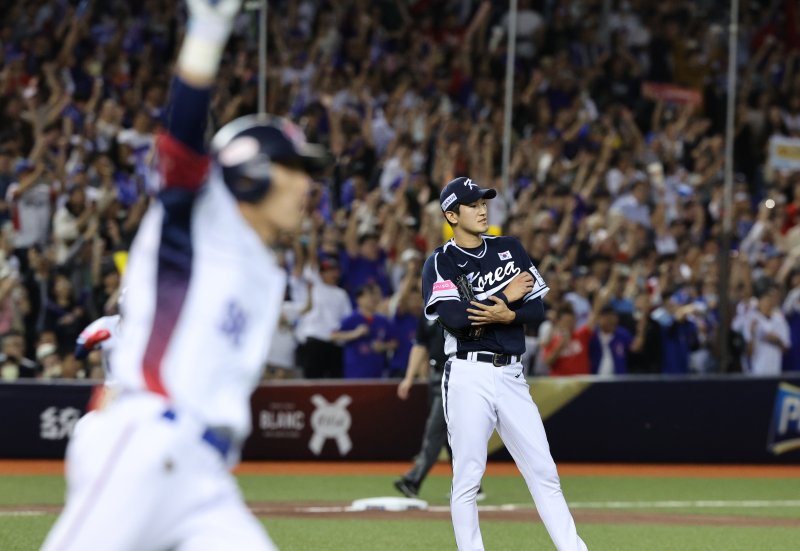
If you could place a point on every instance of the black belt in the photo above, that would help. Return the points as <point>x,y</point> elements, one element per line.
<point>217,441</point>
<point>494,359</point>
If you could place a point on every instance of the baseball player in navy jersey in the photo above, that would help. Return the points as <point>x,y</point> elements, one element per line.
<point>483,386</point>
<point>150,471</point>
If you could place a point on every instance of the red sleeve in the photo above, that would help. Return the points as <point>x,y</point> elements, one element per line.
<point>551,345</point>
<point>179,165</point>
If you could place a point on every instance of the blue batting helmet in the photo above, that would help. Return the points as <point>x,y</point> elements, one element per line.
<point>245,149</point>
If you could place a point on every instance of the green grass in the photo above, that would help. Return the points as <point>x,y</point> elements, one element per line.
<point>387,535</point>
<point>24,533</point>
<point>636,537</point>
<point>511,489</point>
<point>38,490</point>
<point>27,533</point>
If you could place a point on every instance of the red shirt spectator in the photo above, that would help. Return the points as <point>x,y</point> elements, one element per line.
<point>568,356</point>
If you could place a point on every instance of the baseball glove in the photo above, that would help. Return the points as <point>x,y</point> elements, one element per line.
<point>465,293</point>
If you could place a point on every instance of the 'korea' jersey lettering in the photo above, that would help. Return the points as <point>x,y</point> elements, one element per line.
<point>489,268</point>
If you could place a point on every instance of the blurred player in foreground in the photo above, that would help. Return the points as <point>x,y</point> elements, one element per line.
<point>150,471</point>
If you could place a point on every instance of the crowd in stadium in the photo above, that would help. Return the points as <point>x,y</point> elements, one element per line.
<point>615,184</point>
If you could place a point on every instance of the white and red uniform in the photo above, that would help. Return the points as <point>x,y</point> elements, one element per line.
<point>107,328</point>
<point>150,471</point>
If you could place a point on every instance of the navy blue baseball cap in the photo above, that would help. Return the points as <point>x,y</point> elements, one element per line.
<point>463,191</point>
<point>246,148</point>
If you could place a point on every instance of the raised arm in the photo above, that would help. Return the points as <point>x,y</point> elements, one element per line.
<point>182,150</point>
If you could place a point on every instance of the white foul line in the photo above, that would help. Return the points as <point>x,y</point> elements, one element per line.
<point>734,504</point>
<point>21,513</point>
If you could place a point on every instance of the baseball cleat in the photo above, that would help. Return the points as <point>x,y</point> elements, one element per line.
<point>406,488</point>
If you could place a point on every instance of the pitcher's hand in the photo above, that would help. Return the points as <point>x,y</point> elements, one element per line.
<point>499,312</point>
<point>520,286</point>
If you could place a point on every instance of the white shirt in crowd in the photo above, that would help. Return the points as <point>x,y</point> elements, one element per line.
<point>581,306</point>
<point>65,232</point>
<point>528,24</point>
<point>629,207</point>
<point>32,212</point>
<point>606,367</point>
<point>329,306</point>
<point>767,358</point>
<point>743,310</point>
<point>282,349</point>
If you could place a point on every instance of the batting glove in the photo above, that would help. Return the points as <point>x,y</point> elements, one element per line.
<point>220,10</point>
<point>210,24</point>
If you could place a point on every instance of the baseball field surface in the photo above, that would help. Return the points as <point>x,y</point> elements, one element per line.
<point>306,506</point>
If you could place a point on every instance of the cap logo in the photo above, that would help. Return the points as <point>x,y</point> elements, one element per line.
<point>448,201</point>
<point>241,149</point>
<point>468,183</point>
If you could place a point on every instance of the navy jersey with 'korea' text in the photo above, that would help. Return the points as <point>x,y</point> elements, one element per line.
<point>489,268</point>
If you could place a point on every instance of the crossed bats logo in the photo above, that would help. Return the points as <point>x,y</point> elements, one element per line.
<point>331,420</point>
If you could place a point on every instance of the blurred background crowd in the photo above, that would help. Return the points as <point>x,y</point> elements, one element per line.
<point>615,185</point>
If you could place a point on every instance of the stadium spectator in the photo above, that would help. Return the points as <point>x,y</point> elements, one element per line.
<point>678,334</point>
<point>405,311</point>
<point>326,306</point>
<point>70,221</point>
<point>366,336</point>
<point>364,258</point>
<point>64,314</point>
<point>30,200</point>
<point>13,363</point>
<point>610,345</point>
<point>767,334</point>
<point>47,356</point>
<point>567,351</point>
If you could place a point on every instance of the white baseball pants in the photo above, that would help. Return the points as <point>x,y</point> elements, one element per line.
<point>477,398</point>
<point>138,482</point>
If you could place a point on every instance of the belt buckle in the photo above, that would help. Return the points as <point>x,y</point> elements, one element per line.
<point>496,358</point>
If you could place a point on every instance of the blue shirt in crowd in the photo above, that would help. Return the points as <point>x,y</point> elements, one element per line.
<point>677,339</point>
<point>791,358</point>
<point>619,345</point>
<point>403,329</point>
<point>360,360</point>
<point>358,271</point>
